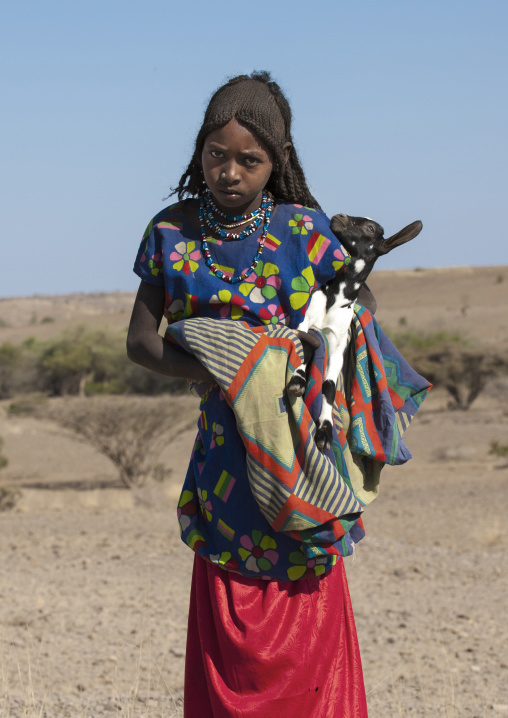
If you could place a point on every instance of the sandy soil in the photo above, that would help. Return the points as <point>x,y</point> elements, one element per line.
<point>94,580</point>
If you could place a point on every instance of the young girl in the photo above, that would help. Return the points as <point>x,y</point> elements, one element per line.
<point>271,632</point>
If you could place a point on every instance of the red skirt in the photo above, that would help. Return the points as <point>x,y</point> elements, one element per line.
<point>271,649</point>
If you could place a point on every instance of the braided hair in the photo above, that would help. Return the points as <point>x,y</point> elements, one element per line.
<point>256,102</point>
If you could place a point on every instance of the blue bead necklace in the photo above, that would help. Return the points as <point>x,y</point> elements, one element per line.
<point>265,212</point>
<point>241,218</point>
<point>254,220</point>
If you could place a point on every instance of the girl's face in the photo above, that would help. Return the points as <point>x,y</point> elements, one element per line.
<point>236,165</point>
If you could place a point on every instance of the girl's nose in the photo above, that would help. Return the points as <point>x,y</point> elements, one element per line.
<point>229,172</point>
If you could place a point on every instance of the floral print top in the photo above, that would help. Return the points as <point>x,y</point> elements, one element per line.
<point>219,517</point>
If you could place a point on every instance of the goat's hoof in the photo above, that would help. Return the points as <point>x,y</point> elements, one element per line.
<point>296,386</point>
<point>324,436</point>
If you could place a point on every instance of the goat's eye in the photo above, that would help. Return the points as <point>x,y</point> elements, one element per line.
<point>370,228</point>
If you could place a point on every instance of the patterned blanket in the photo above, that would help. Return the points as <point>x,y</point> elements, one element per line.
<point>316,496</point>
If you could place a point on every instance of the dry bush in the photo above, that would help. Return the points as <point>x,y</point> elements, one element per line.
<point>125,429</point>
<point>3,459</point>
<point>463,373</point>
<point>446,360</point>
<point>8,498</point>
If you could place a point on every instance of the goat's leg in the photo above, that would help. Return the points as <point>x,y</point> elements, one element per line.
<point>313,318</point>
<point>337,333</point>
<point>298,382</point>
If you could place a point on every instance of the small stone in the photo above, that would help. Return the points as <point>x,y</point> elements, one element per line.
<point>476,668</point>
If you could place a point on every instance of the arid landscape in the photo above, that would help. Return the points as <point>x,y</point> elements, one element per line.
<point>94,580</point>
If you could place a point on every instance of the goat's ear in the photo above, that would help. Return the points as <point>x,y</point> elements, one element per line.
<point>405,235</point>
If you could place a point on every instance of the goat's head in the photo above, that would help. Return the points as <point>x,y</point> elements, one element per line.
<point>364,239</point>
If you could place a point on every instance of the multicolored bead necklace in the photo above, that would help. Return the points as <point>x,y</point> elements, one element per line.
<point>265,212</point>
<point>229,217</point>
<point>254,219</point>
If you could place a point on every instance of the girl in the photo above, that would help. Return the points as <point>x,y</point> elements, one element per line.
<point>271,632</point>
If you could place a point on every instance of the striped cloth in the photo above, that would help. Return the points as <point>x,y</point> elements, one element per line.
<point>315,496</point>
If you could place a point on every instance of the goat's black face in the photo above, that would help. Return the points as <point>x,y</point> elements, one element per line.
<point>364,238</point>
<point>361,236</point>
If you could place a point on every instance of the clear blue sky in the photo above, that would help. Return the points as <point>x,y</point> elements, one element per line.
<point>400,113</point>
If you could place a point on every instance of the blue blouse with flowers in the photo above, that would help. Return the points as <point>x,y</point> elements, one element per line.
<point>218,515</point>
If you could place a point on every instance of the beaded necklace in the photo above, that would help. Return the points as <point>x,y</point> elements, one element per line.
<point>254,219</point>
<point>229,217</point>
<point>265,211</point>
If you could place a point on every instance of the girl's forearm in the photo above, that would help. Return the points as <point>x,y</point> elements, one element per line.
<point>154,353</point>
<point>146,347</point>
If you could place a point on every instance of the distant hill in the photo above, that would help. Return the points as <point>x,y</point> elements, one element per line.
<point>472,301</point>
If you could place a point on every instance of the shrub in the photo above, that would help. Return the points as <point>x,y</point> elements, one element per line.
<point>87,362</point>
<point>27,405</point>
<point>161,473</point>
<point>3,459</point>
<point>498,449</point>
<point>448,361</point>
<point>78,362</point>
<point>78,356</point>
<point>127,431</point>
<point>8,498</point>
<point>10,357</point>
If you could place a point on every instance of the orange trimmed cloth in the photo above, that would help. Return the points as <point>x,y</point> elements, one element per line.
<point>271,649</point>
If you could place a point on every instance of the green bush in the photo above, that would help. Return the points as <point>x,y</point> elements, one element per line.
<point>10,358</point>
<point>426,340</point>
<point>81,357</point>
<point>79,362</point>
<point>498,449</point>
<point>98,388</point>
<point>27,405</point>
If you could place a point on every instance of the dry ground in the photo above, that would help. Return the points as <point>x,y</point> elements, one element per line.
<point>94,580</point>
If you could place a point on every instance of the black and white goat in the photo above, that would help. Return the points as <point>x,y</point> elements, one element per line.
<point>331,307</point>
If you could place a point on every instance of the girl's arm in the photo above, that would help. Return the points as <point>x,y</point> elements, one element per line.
<point>146,347</point>
<point>367,299</point>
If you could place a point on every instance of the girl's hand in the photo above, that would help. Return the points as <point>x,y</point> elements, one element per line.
<point>309,343</point>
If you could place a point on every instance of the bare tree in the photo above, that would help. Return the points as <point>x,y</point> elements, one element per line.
<point>127,430</point>
<point>446,360</point>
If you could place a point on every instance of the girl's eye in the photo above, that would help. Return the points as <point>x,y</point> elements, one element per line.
<point>217,154</point>
<point>251,161</point>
